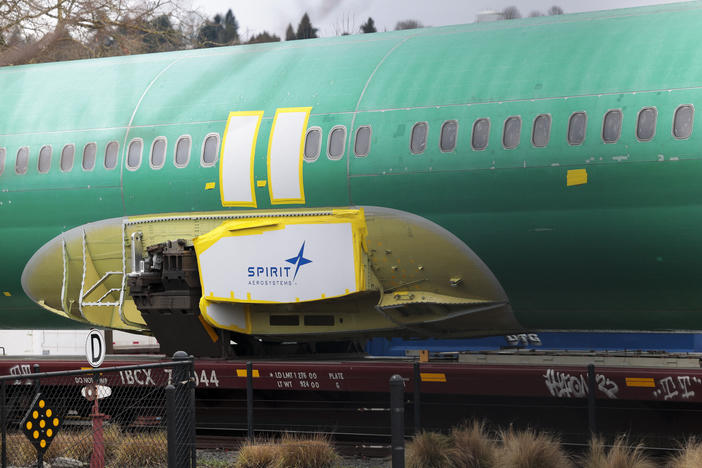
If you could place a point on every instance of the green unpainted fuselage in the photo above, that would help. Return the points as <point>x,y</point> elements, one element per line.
<point>621,251</point>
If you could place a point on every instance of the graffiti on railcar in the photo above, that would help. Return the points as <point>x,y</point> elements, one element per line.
<point>21,369</point>
<point>679,387</point>
<point>565,385</point>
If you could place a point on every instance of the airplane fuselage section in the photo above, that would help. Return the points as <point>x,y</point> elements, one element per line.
<point>575,184</point>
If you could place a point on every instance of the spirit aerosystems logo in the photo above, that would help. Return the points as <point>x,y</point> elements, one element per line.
<point>278,275</point>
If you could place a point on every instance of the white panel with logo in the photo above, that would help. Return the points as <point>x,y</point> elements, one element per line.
<point>281,263</point>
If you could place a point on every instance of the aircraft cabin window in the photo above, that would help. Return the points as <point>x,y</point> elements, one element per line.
<point>418,140</point>
<point>89,156</point>
<point>2,160</point>
<point>481,134</point>
<point>313,144</point>
<point>67,156</point>
<point>541,132</point>
<point>337,143</point>
<point>182,151</point>
<point>577,126</point>
<point>44,162</point>
<point>682,122</point>
<point>646,124</point>
<point>612,126</point>
<point>158,153</point>
<point>111,154</point>
<point>22,161</point>
<point>210,150</point>
<point>449,134</point>
<point>512,132</point>
<point>134,154</point>
<point>361,146</point>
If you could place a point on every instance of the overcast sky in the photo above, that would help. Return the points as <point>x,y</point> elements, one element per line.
<point>335,16</point>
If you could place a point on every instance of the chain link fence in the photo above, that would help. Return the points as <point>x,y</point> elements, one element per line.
<point>133,416</point>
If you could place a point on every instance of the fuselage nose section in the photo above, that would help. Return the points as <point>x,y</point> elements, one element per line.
<point>79,273</point>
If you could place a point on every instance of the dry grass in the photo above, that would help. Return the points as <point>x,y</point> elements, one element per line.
<point>144,449</point>
<point>71,444</point>
<point>620,455</point>
<point>20,452</point>
<point>306,452</point>
<point>113,438</point>
<point>472,447</point>
<point>690,457</point>
<point>288,452</point>
<point>530,449</point>
<point>428,450</point>
<point>257,455</point>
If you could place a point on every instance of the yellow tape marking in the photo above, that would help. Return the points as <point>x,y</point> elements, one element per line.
<point>640,382</point>
<point>242,373</point>
<point>576,177</point>
<point>210,185</point>
<point>430,377</point>
<point>261,183</point>
<point>7,293</point>
<point>210,331</point>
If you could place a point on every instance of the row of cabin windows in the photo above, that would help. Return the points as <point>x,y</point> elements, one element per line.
<point>209,155</point>
<point>541,129</point>
<point>511,132</point>
<point>336,143</point>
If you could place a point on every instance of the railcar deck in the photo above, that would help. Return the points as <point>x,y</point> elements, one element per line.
<point>653,396</point>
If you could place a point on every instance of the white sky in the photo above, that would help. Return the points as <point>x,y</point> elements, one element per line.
<point>335,16</point>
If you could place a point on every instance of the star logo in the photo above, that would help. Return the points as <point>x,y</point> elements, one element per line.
<point>299,260</point>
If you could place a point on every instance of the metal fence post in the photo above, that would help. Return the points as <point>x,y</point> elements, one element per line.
<point>249,399</point>
<point>397,420</point>
<point>417,399</point>
<point>181,381</point>
<point>171,426</point>
<point>3,416</point>
<point>193,446</point>
<point>592,388</point>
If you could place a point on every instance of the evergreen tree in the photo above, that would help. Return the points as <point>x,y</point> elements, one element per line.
<point>305,29</point>
<point>265,36</point>
<point>511,12</point>
<point>223,30</point>
<point>230,29</point>
<point>368,26</point>
<point>408,24</point>
<point>290,33</point>
<point>555,10</point>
